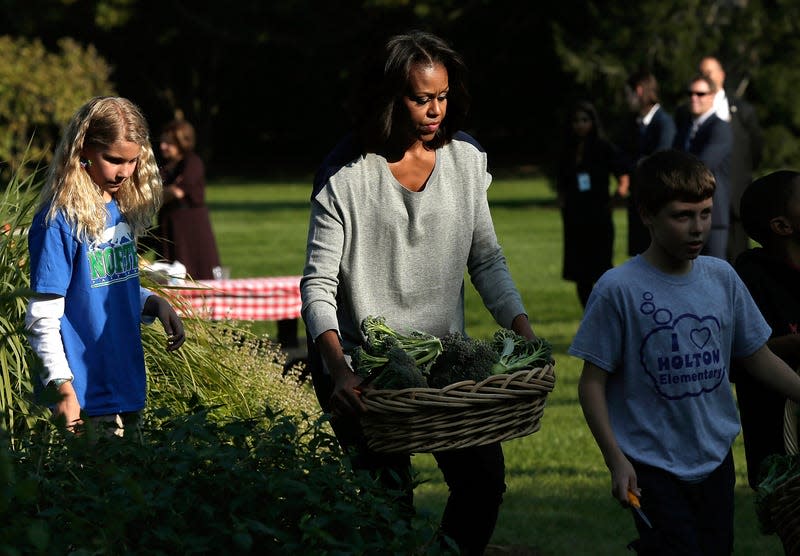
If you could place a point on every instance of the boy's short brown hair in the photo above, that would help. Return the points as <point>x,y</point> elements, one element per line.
<point>764,199</point>
<point>671,175</point>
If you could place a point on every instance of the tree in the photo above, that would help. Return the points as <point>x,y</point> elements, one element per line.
<point>39,91</point>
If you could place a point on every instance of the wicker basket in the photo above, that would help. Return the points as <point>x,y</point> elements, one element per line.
<point>784,502</point>
<point>460,415</point>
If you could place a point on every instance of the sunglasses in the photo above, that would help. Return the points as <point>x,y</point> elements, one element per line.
<point>698,93</point>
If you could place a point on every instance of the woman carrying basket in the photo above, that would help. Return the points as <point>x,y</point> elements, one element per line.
<point>398,212</point>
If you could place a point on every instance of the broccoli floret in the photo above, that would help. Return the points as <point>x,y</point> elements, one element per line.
<point>517,352</point>
<point>364,363</point>
<point>380,339</point>
<point>462,358</point>
<point>399,372</point>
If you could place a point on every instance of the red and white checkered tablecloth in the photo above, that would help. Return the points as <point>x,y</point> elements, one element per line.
<point>272,298</point>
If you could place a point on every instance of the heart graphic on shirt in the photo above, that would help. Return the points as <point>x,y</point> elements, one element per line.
<point>700,336</point>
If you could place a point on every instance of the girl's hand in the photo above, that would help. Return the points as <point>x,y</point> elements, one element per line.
<point>68,407</point>
<point>156,306</point>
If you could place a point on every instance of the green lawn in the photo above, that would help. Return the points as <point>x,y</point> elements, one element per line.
<point>558,498</point>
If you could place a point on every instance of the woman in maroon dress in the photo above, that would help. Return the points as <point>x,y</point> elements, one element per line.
<point>184,231</point>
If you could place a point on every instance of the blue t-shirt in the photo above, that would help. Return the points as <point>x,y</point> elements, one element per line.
<point>100,328</point>
<point>667,343</point>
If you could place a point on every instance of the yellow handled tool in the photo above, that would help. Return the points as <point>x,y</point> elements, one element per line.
<point>634,500</point>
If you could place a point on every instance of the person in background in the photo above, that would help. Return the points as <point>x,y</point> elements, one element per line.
<point>184,231</point>
<point>748,144</point>
<point>652,129</point>
<point>588,159</point>
<point>770,211</point>
<point>398,213</point>
<point>83,322</point>
<point>702,133</point>
<point>658,338</point>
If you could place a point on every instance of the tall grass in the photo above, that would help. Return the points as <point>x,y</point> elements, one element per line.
<point>19,413</point>
<point>558,499</point>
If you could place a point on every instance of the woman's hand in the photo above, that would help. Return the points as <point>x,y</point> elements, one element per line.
<point>346,396</point>
<point>173,192</point>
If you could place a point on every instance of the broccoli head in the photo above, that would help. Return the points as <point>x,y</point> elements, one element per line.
<point>462,358</point>
<point>399,372</point>
<point>381,338</point>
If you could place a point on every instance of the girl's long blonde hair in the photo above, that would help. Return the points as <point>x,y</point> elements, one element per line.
<point>101,122</point>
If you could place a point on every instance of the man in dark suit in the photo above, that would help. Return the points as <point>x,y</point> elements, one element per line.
<point>652,129</point>
<point>702,133</point>
<point>748,143</point>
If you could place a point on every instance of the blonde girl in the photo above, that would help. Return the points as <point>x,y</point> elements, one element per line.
<point>101,192</point>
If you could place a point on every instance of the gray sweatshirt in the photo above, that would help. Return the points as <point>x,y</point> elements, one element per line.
<point>376,248</point>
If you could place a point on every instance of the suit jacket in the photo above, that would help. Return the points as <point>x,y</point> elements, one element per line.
<point>657,136</point>
<point>713,145</point>
<point>748,145</point>
<point>643,141</point>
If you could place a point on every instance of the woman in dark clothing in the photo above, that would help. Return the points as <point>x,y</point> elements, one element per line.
<point>184,228</point>
<point>587,162</point>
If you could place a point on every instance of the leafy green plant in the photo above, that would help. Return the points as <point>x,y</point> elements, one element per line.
<point>39,91</point>
<point>226,365</point>
<point>198,485</point>
<point>19,412</point>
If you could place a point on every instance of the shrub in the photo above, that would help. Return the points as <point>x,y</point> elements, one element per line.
<point>200,486</point>
<point>39,91</point>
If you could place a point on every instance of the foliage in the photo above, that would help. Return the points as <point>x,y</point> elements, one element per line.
<point>777,470</point>
<point>200,486</point>
<point>194,57</point>
<point>614,39</point>
<point>517,352</point>
<point>40,90</point>
<point>19,412</point>
<point>225,365</point>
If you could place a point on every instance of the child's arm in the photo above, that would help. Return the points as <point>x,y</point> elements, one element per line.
<point>787,347</point>
<point>592,395</point>
<point>773,371</point>
<point>43,329</point>
<point>156,306</point>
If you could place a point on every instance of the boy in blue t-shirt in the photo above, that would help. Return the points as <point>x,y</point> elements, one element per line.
<point>658,338</point>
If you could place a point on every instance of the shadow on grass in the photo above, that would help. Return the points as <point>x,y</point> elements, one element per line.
<point>267,206</point>
<point>258,206</point>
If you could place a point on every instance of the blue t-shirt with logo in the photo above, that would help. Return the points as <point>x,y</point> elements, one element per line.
<point>667,343</point>
<point>100,328</point>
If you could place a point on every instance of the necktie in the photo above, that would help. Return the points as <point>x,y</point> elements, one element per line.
<point>690,136</point>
